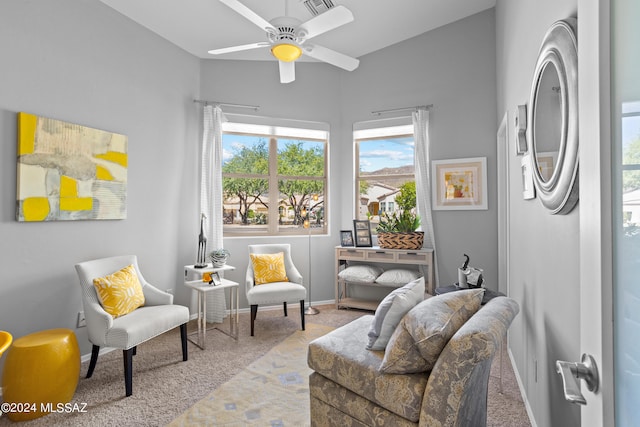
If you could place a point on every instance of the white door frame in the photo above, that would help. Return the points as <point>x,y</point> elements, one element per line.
<point>596,264</point>
<point>502,148</point>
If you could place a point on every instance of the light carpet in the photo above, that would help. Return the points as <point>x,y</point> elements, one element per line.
<point>165,387</point>
<point>272,391</point>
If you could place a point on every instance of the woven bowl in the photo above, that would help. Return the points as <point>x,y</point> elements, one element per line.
<point>412,240</point>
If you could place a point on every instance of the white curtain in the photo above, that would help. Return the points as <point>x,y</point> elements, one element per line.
<point>211,198</point>
<point>423,181</point>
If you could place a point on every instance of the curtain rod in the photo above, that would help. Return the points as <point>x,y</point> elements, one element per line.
<point>226,104</point>
<point>393,110</point>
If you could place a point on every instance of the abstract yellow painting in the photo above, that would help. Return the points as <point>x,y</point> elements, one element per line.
<point>69,172</point>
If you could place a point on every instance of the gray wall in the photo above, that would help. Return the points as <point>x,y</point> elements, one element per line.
<point>452,67</point>
<point>545,263</point>
<point>82,62</point>
<point>313,96</point>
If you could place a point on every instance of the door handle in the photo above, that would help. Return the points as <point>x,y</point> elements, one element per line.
<point>571,372</point>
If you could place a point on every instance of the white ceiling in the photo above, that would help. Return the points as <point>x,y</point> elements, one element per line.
<point>198,26</point>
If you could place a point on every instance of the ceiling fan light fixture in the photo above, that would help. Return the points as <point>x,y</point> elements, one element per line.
<point>286,52</point>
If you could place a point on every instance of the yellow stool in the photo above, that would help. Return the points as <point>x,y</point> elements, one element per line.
<point>5,341</point>
<point>41,370</point>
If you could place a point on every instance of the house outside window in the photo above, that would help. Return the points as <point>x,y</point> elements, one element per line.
<point>274,180</point>
<point>384,163</point>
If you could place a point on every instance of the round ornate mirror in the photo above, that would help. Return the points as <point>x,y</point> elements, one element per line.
<point>553,119</point>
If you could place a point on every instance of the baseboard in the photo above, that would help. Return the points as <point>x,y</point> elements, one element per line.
<point>103,350</point>
<point>523,394</point>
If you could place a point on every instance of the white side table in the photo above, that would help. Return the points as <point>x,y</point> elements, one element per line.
<point>202,288</point>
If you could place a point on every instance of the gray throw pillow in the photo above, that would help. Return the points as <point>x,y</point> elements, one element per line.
<point>391,310</point>
<point>423,333</point>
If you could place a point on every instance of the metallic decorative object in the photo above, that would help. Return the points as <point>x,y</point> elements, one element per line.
<point>201,261</point>
<point>307,225</point>
<point>219,257</point>
<point>552,125</point>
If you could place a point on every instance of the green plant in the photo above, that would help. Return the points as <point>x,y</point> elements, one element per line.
<point>220,253</point>
<point>403,222</point>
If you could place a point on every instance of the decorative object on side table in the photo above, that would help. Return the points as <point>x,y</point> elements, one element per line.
<point>346,238</point>
<point>201,261</point>
<point>469,277</point>
<point>398,230</point>
<point>362,230</point>
<point>219,257</point>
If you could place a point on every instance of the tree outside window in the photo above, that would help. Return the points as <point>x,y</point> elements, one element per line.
<point>273,184</point>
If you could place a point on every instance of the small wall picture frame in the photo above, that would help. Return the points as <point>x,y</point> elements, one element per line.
<point>346,238</point>
<point>362,230</point>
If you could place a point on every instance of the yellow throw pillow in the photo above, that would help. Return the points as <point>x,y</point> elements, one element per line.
<point>269,268</point>
<point>121,292</point>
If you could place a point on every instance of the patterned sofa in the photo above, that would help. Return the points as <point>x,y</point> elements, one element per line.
<point>353,386</point>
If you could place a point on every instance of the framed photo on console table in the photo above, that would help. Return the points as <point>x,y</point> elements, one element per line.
<point>346,238</point>
<point>459,184</point>
<point>363,232</point>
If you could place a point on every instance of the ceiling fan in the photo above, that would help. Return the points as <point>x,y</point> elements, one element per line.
<point>287,37</point>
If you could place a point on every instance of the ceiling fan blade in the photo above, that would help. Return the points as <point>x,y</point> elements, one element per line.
<point>332,18</point>
<point>287,71</point>
<point>332,57</point>
<point>248,14</point>
<point>238,48</point>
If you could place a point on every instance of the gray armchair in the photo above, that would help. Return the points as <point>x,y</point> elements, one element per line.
<point>156,316</point>
<point>277,292</point>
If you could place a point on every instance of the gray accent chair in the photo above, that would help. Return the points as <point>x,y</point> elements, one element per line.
<point>348,388</point>
<point>157,316</point>
<point>277,292</point>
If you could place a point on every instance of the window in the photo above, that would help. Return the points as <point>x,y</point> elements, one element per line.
<point>274,180</point>
<point>385,166</point>
<point>630,135</point>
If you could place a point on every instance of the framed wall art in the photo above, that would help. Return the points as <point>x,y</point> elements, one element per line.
<point>362,230</point>
<point>459,184</point>
<point>67,171</point>
<point>346,238</point>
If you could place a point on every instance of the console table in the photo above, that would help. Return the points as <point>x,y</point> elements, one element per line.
<point>202,288</point>
<point>421,258</point>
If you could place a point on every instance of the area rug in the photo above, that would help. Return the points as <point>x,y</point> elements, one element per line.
<point>272,391</point>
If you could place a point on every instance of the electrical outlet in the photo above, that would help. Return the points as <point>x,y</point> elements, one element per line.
<point>82,322</point>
